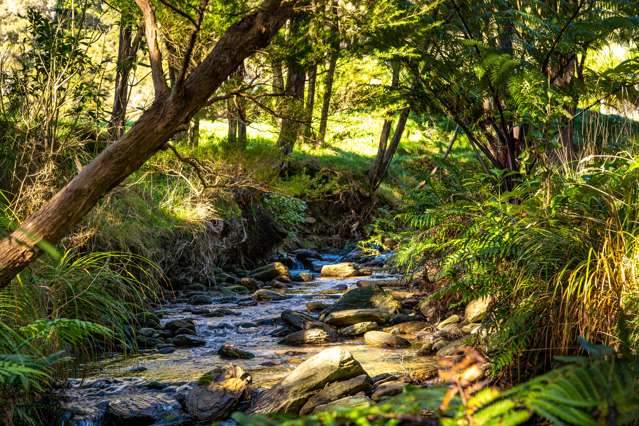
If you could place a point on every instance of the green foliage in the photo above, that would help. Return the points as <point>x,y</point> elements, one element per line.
<point>287,211</point>
<point>558,252</point>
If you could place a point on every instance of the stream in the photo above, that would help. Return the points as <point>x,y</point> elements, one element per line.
<point>154,381</point>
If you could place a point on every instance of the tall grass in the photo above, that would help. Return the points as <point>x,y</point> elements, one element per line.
<point>559,253</point>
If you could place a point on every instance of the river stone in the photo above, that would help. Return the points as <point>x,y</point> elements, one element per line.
<point>187,341</point>
<point>142,409</point>
<point>422,375</point>
<point>410,327</point>
<point>270,272</point>
<point>359,328</point>
<point>289,395</point>
<point>450,332</point>
<point>200,299</point>
<point>220,312</point>
<point>303,277</point>
<point>354,316</point>
<point>386,282</point>
<point>453,319</point>
<point>264,295</point>
<point>228,351</point>
<point>381,339</point>
<point>427,309</point>
<point>364,298</point>
<point>178,324</point>
<point>335,391</point>
<point>217,395</point>
<point>316,306</point>
<point>387,389</point>
<point>450,347</point>
<point>340,270</point>
<point>476,309</point>
<point>313,336</point>
<point>355,401</point>
<point>300,320</point>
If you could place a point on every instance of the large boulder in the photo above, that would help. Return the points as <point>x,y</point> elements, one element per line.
<point>217,394</point>
<point>288,396</point>
<point>364,298</point>
<point>354,316</point>
<point>477,308</point>
<point>340,270</point>
<point>382,339</point>
<point>337,390</point>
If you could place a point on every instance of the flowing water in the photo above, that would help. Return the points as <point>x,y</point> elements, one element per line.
<point>250,330</point>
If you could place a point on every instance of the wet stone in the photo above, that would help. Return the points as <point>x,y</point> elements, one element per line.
<point>229,351</point>
<point>187,341</point>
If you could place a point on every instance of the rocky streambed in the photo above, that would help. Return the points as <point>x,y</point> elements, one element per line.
<point>321,332</point>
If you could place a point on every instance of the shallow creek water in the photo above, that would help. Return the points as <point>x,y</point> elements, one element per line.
<point>250,330</point>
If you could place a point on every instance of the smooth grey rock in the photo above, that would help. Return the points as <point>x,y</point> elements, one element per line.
<point>216,398</point>
<point>476,309</point>
<point>381,339</point>
<point>335,391</point>
<point>359,328</point>
<point>354,316</point>
<point>289,395</point>
<point>340,270</point>
<point>313,336</point>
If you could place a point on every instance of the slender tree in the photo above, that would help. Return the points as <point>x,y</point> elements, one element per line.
<point>128,44</point>
<point>333,56</point>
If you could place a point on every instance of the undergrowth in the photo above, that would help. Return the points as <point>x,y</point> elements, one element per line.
<point>558,254</point>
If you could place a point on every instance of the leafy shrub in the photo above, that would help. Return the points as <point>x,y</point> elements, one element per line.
<point>559,252</point>
<point>287,211</point>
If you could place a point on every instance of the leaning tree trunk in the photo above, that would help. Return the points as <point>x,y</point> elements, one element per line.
<point>168,114</point>
<point>384,163</point>
<point>374,174</point>
<point>127,49</point>
<point>330,73</point>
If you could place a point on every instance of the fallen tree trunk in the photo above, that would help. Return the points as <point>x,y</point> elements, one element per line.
<point>168,114</point>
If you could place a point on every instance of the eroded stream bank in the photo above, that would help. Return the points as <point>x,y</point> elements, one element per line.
<point>256,333</point>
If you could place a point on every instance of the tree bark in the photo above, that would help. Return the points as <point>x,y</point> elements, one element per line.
<point>310,104</point>
<point>330,75</point>
<point>167,115</point>
<point>387,158</point>
<point>127,49</point>
<point>294,107</point>
<point>376,170</point>
<point>151,33</point>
